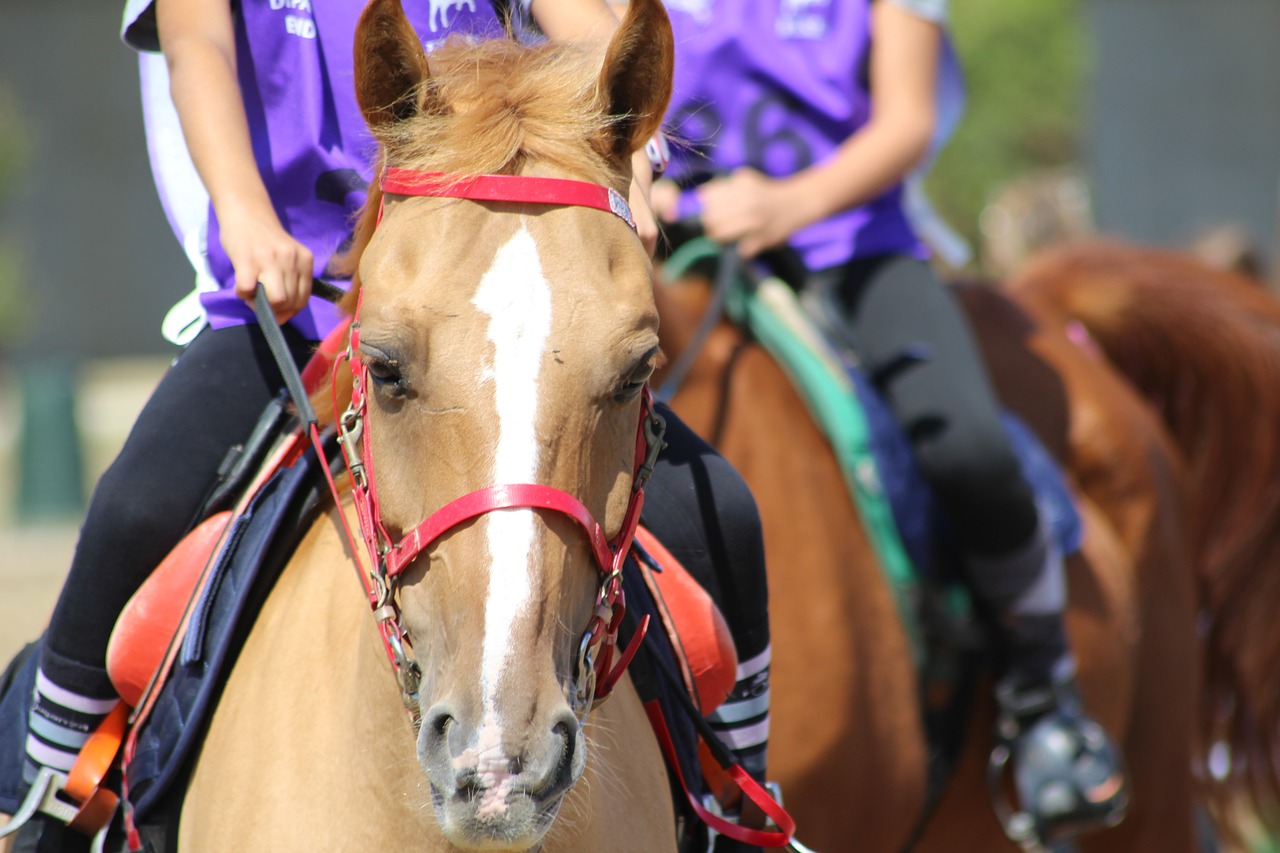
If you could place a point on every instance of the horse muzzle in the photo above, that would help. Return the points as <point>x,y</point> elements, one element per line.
<point>499,787</point>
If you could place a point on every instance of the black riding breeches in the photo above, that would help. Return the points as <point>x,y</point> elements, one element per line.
<point>209,400</point>
<point>701,509</point>
<point>895,305</point>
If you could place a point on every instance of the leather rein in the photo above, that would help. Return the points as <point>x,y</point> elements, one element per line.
<point>596,671</point>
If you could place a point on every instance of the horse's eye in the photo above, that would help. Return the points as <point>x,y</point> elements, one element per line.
<point>635,381</point>
<point>385,375</point>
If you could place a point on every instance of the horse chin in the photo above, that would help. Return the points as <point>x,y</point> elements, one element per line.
<point>468,825</point>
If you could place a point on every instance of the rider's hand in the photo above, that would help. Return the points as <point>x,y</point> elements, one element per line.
<point>664,198</point>
<point>260,250</point>
<point>748,208</point>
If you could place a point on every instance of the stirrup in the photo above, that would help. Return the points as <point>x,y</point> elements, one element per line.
<point>42,798</point>
<point>1069,777</point>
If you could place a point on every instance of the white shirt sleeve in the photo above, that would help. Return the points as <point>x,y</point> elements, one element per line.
<point>931,10</point>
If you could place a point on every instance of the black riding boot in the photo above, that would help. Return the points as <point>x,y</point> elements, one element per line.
<point>1068,775</point>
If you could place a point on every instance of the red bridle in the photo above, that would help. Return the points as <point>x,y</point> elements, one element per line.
<point>389,558</point>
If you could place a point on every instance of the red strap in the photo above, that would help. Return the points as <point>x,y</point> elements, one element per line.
<point>758,795</point>
<point>610,679</point>
<point>321,362</point>
<point>510,188</point>
<point>481,501</point>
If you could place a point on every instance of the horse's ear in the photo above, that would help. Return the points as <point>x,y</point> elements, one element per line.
<point>390,64</point>
<point>635,82</point>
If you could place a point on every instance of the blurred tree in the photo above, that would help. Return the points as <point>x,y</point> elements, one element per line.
<point>13,144</point>
<point>1025,64</point>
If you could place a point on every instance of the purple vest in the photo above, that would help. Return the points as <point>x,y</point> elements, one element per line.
<point>312,147</point>
<point>778,85</point>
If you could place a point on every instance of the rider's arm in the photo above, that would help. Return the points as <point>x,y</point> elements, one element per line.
<point>586,21</point>
<point>198,40</point>
<point>760,212</point>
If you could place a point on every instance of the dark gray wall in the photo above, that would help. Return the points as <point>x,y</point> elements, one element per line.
<point>97,254</point>
<point>1186,117</point>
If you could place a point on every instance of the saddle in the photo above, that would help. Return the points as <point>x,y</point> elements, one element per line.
<point>897,508</point>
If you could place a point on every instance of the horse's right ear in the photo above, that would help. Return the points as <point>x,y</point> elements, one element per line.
<point>390,64</point>
<point>636,79</point>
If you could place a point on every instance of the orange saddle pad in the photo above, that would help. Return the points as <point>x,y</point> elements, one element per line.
<point>698,632</point>
<point>152,616</point>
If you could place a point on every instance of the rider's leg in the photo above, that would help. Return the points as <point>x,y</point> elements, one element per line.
<point>703,512</point>
<point>209,399</point>
<point>949,410</point>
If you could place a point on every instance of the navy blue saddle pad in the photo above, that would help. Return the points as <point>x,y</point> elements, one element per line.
<point>919,519</point>
<point>259,543</point>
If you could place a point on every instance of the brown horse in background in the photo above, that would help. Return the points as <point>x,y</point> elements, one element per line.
<point>847,741</point>
<point>1202,346</point>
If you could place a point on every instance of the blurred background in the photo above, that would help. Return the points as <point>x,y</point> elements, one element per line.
<point>1152,120</point>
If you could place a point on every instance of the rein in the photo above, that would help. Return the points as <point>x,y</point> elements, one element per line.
<point>596,672</point>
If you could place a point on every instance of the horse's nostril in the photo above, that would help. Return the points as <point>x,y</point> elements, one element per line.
<point>566,732</point>
<point>566,769</point>
<point>440,727</point>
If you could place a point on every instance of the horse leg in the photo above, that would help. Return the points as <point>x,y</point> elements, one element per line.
<point>1162,728</point>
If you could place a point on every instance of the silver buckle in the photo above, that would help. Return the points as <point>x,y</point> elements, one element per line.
<point>43,799</point>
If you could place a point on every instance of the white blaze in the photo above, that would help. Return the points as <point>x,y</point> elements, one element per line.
<point>515,295</point>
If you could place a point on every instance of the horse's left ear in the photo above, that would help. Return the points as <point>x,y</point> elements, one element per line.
<point>390,64</point>
<point>635,82</point>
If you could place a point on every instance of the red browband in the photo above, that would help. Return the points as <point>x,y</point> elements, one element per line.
<point>507,188</point>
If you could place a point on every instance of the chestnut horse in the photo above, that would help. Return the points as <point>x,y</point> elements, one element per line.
<point>847,741</point>
<point>498,343</point>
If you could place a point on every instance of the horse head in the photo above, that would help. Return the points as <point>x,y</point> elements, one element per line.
<point>502,343</point>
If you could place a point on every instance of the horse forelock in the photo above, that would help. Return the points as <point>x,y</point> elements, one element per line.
<point>500,105</point>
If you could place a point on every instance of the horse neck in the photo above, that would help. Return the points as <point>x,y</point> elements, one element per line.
<point>311,706</point>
